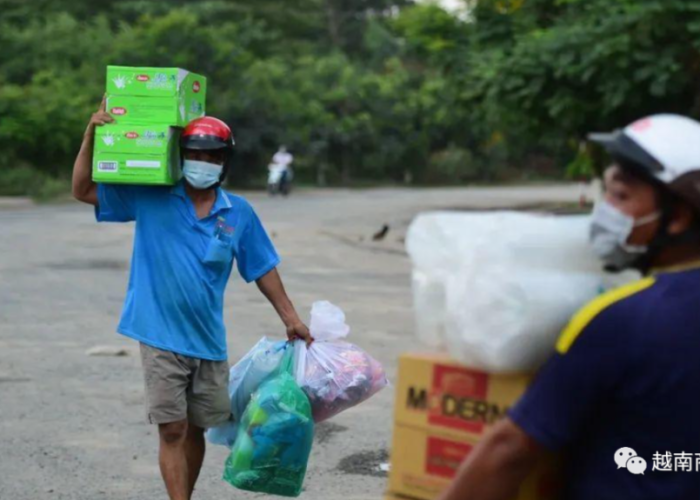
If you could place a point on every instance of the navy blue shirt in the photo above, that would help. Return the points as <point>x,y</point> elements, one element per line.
<point>626,374</point>
<point>181,264</point>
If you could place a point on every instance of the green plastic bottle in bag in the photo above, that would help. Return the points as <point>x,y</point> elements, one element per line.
<point>274,439</point>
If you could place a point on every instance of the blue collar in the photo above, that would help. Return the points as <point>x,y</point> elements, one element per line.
<point>221,203</point>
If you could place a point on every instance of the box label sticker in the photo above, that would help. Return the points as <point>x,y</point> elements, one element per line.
<point>143,164</point>
<point>161,81</point>
<point>462,395</point>
<point>457,399</point>
<point>444,457</point>
<point>108,166</point>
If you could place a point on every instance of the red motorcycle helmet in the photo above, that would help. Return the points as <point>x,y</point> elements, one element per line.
<point>209,134</point>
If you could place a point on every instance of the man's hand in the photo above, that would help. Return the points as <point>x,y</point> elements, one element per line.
<point>299,331</point>
<point>497,466</point>
<point>84,189</point>
<point>100,117</point>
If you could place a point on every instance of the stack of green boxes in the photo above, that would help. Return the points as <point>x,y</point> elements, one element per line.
<point>150,106</point>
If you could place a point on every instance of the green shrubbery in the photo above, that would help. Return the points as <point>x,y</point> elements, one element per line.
<point>28,181</point>
<point>371,90</point>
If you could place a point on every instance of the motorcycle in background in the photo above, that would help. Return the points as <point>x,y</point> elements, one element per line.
<point>279,180</point>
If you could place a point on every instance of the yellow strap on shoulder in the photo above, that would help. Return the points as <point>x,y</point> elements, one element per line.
<point>582,318</point>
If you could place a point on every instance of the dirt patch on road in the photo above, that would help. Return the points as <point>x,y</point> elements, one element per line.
<point>14,380</point>
<point>89,265</point>
<point>365,463</point>
<point>326,430</point>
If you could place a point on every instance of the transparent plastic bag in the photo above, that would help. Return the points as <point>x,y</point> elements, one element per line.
<point>224,434</point>
<point>334,374</point>
<point>274,439</point>
<point>245,378</point>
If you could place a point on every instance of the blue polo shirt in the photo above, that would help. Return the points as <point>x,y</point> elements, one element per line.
<point>181,264</point>
<point>625,380</point>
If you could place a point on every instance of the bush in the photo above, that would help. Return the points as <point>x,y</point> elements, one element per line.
<point>28,181</point>
<point>581,167</point>
<point>19,181</point>
<point>452,165</point>
<point>52,188</point>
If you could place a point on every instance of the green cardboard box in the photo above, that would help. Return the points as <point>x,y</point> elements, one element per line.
<point>145,96</point>
<point>137,154</point>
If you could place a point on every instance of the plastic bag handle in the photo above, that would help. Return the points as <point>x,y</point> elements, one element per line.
<point>300,351</point>
<point>327,322</point>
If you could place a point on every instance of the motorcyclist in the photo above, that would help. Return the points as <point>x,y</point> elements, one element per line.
<point>280,172</point>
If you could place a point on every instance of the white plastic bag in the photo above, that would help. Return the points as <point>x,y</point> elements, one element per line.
<point>244,379</point>
<point>496,288</point>
<point>334,374</point>
<point>439,243</point>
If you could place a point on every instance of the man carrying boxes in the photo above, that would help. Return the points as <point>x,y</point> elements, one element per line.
<point>619,398</point>
<point>188,236</point>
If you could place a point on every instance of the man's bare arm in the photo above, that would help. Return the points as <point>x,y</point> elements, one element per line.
<point>497,466</point>
<point>271,286</point>
<point>84,189</point>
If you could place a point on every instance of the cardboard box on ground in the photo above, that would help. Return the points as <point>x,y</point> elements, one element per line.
<point>149,105</point>
<point>442,411</point>
<point>393,496</point>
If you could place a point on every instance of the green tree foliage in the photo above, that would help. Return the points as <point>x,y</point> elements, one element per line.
<point>382,90</point>
<point>572,66</point>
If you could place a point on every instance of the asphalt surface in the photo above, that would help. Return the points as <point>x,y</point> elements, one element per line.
<point>72,426</point>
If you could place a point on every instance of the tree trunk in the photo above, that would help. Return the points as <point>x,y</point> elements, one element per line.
<point>344,167</point>
<point>333,23</point>
<point>321,174</point>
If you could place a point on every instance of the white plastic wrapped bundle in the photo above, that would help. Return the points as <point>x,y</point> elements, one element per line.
<point>497,288</point>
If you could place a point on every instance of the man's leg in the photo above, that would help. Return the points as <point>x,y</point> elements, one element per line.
<point>167,376</point>
<point>208,406</point>
<point>194,450</point>
<point>173,459</point>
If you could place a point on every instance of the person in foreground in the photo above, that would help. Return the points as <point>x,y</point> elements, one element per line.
<point>187,239</point>
<point>625,378</point>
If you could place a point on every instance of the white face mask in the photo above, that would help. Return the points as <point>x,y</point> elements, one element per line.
<point>610,229</point>
<point>201,174</point>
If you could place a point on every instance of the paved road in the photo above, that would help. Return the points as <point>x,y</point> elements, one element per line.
<point>72,426</point>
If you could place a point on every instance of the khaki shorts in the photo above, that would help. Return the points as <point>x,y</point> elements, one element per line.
<point>182,388</point>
